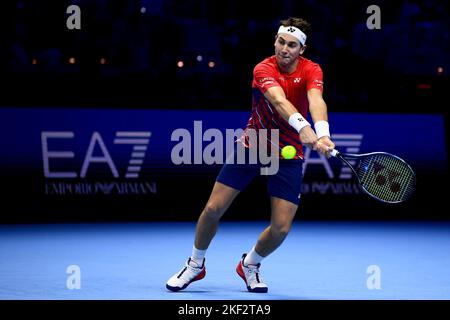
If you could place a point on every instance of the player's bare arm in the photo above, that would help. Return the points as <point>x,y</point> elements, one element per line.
<point>278,99</point>
<point>319,114</point>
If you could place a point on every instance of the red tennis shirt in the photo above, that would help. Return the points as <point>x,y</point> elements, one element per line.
<point>295,85</point>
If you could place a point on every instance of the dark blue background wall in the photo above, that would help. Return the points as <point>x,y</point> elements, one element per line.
<point>74,164</point>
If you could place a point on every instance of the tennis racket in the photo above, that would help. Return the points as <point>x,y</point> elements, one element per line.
<point>381,175</point>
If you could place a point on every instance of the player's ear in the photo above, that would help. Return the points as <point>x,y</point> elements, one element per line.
<point>302,49</point>
<point>275,43</point>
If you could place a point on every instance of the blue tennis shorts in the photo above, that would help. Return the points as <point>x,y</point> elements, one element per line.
<point>285,184</point>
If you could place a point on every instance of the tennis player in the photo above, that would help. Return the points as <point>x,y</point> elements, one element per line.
<point>285,87</point>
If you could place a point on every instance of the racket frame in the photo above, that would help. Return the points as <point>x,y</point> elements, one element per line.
<point>343,157</point>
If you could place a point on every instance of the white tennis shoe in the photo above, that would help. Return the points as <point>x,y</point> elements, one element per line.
<point>251,276</point>
<point>189,273</point>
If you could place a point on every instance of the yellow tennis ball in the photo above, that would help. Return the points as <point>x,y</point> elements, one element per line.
<point>288,152</point>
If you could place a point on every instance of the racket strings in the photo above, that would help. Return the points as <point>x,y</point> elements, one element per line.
<point>386,177</point>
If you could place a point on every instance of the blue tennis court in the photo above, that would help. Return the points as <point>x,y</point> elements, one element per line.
<point>318,260</point>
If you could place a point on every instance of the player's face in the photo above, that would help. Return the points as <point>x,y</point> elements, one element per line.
<point>287,49</point>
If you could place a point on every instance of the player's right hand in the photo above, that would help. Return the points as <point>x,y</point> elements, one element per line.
<point>327,145</point>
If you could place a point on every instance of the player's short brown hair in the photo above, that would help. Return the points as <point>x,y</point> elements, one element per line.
<point>300,23</point>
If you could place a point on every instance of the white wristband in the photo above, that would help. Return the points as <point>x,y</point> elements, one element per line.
<point>322,129</point>
<point>297,121</point>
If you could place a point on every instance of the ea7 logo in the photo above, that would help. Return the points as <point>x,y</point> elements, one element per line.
<point>138,139</point>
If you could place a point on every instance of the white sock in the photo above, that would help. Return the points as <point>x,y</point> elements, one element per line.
<point>253,258</point>
<point>198,256</point>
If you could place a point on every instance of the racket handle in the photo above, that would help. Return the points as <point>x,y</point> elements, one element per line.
<point>334,152</point>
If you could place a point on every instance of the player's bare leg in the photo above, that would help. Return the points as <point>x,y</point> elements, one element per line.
<point>220,200</point>
<point>283,213</point>
<point>194,269</point>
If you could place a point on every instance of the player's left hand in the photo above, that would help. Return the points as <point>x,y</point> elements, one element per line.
<point>325,145</point>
